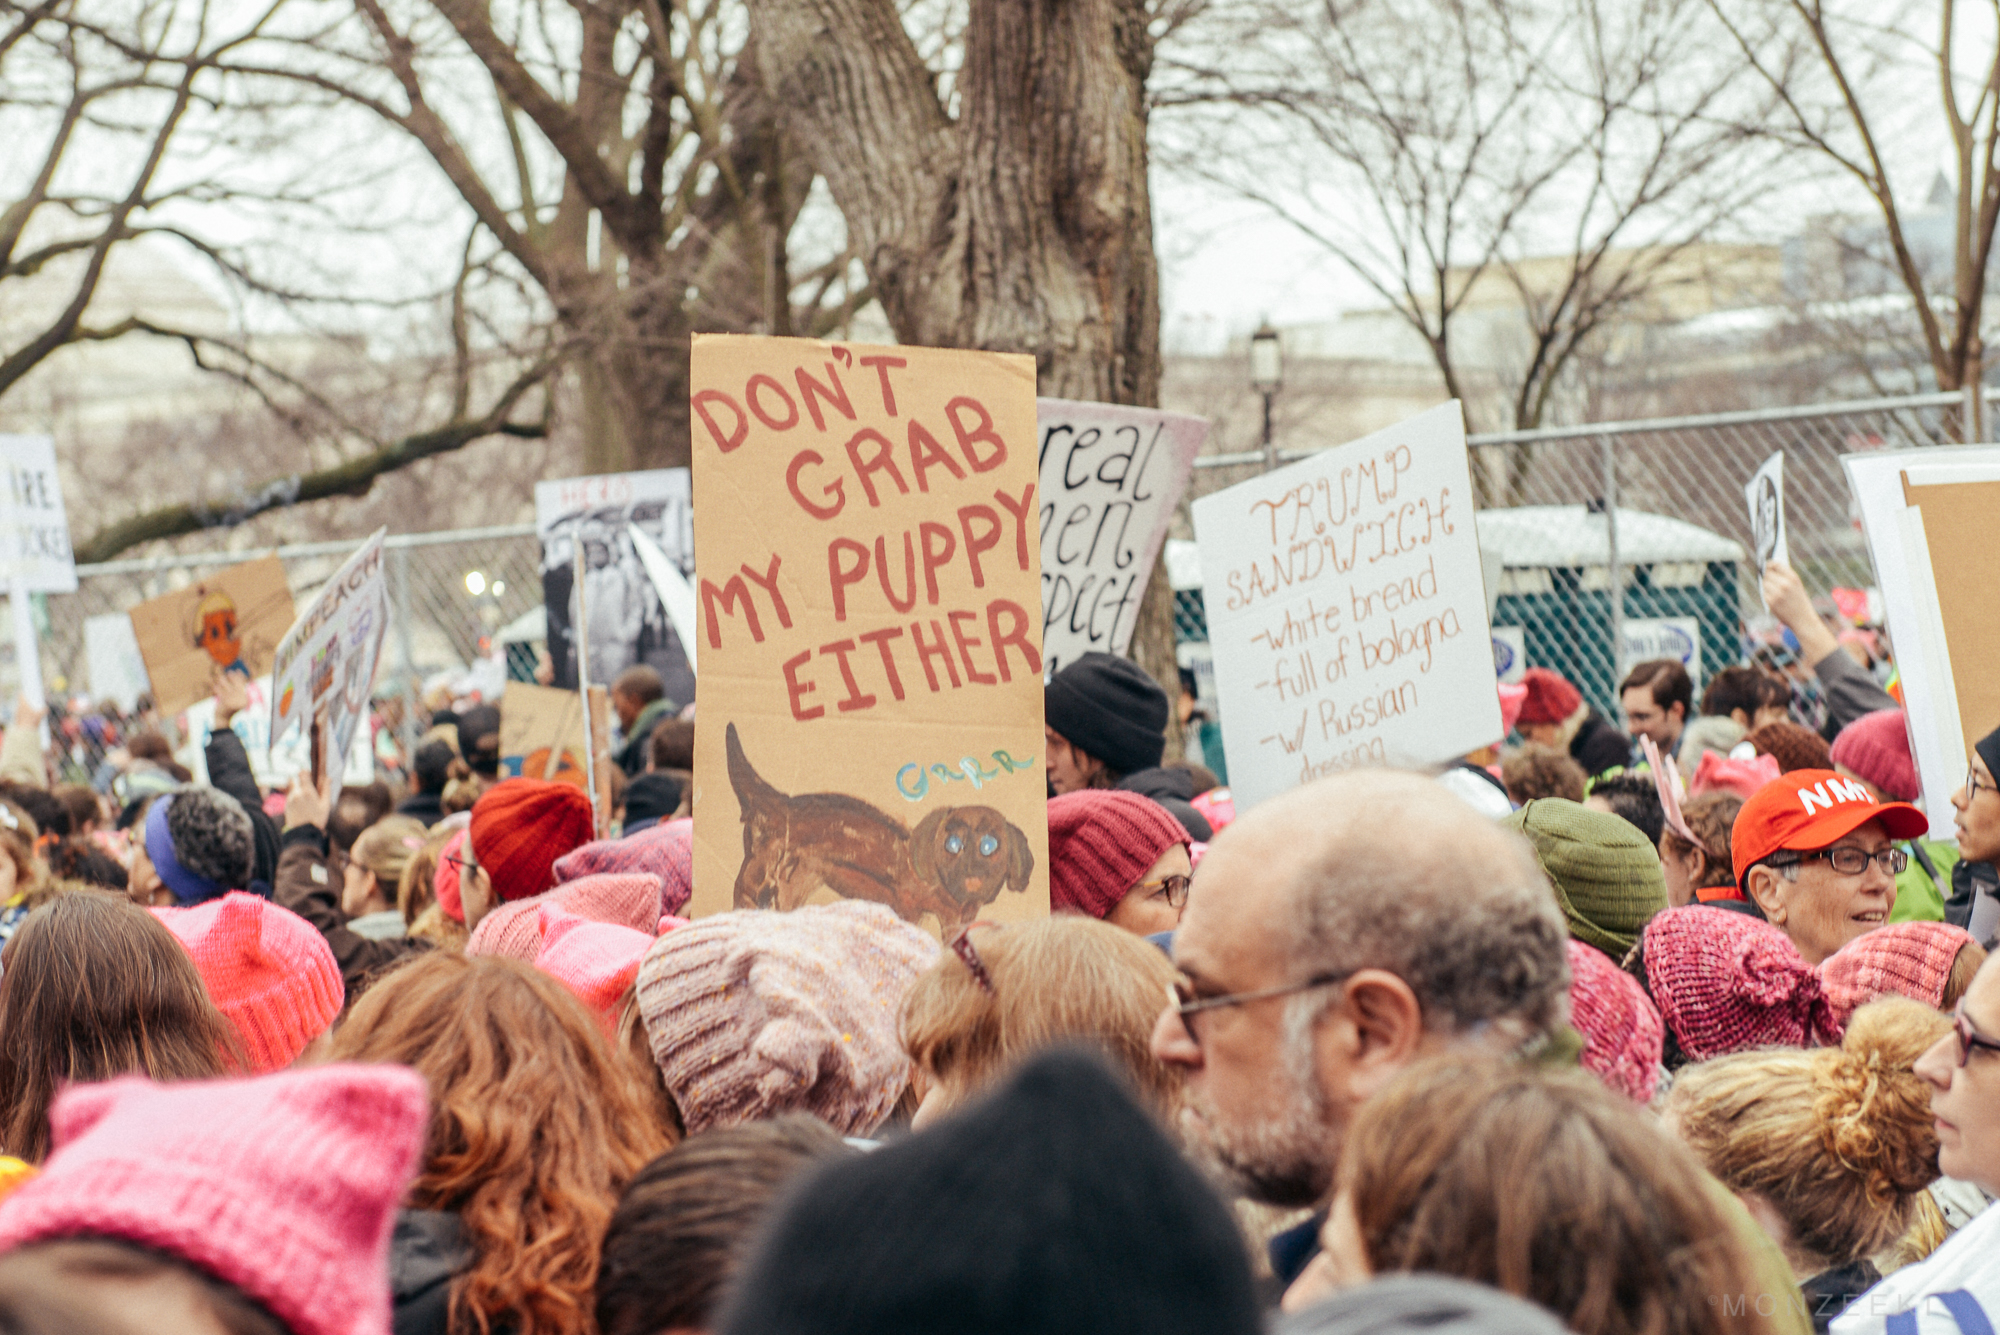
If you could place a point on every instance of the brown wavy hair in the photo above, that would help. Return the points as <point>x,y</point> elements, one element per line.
<point>1839,1140</point>
<point>535,1129</point>
<point>1061,979</point>
<point>1543,1184</point>
<point>1711,818</point>
<point>96,987</point>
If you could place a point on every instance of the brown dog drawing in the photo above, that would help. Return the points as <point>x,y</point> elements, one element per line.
<point>957,862</point>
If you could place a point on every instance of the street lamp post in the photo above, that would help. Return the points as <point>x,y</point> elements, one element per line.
<point>1266,375</point>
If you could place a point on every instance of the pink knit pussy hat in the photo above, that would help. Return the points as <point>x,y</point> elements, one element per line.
<point>1101,841</point>
<point>752,1014</point>
<point>285,1186</point>
<point>1725,981</point>
<point>1622,1032</point>
<point>595,960</point>
<point>1908,959</point>
<point>665,850</point>
<point>266,968</point>
<point>515,930</point>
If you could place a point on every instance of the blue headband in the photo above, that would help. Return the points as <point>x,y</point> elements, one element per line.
<point>188,888</point>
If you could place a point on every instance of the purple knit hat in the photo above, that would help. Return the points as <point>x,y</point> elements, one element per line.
<point>1622,1032</point>
<point>666,850</point>
<point>1725,981</point>
<point>1101,841</point>
<point>752,1014</point>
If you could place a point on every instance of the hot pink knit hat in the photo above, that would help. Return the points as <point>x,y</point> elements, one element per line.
<point>1909,959</point>
<point>1719,774</point>
<point>752,1014</point>
<point>1622,1032</point>
<point>285,1186</point>
<point>1877,747</point>
<point>1101,841</point>
<point>665,850</point>
<point>266,968</point>
<point>515,930</point>
<point>1725,981</point>
<point>595,960</point>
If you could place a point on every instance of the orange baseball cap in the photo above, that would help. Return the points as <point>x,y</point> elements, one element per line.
<point>1809,809</point>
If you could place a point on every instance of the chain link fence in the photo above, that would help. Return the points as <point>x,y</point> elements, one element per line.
<point>1662,501</point>
<point>455,598</point>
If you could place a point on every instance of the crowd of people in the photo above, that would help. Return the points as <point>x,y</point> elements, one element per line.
<point>1684,1028</point>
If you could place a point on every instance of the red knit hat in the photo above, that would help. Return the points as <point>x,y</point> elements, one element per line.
<point>1908,959</point>
<point>1877,747</point>
<point>1808,809</point>
<point>268,970</point>
<point>521,826</point>
<point>285,1186</point>
<point>1725,981</point>
<point>1622,1032</point>
<point>1101,841</point>
<point>1550,699</point>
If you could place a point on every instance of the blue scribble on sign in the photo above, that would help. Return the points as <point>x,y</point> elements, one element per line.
<point>913,781</point>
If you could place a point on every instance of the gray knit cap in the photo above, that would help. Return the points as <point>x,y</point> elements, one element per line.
<point>212,836</point>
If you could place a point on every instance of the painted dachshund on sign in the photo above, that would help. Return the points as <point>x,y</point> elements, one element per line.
<point>956,862</point>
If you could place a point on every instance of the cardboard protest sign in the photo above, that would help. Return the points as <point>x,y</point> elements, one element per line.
<point>117,672</point>
<point>273,766</point>
<point>1347,610</point>
<point>1928,515</point>
<point>324,668</point>
<point>1110,479</point>
<point>871,709</point>
<point>541,733</point>
<point>627,623</point>
<point>1765,495</point>
<point>230,619</point>
<point>34,530</point>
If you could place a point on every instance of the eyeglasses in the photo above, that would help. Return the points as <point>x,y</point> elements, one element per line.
<point>1853,861</point>
<point>1973,785</point>
<point>1182,1001</point>
<point>1173,889</point>
<point>1968,1037</point>
<point>467,868</point>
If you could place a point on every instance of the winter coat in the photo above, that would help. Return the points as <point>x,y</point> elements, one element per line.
<point>306,886</point>
<point>632,756</point>
<point>426,1252</point>
<point>1171,788</point>
<point>426,807</point>
<point>229,771</point>
<point>1850,691</point>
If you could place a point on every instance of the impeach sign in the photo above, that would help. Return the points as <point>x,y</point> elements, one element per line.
<point>1347,610</point>
<point>871,661</point>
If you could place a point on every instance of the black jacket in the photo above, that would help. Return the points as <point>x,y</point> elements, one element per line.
<point>426,1252</point>
<point>1598,746</point>
<point>426,807</point>
<point>229,771</point>
<point>1171,788</point>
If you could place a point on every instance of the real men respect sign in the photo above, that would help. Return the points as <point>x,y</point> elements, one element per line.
<point>866,542</point>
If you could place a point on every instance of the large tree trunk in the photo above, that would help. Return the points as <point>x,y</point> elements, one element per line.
<point>1022,225</point>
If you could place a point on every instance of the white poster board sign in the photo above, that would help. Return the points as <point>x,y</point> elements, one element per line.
<point>628,622</point>
<point>1110,478</point>
<point>1347,610</point>
<point>1899,547</point>
<point>34,531</point>
<point>324,670</point>
<point>111,652</point>
<point>274,767</point>
<point>1678,638</point>
<point>1765,495</point>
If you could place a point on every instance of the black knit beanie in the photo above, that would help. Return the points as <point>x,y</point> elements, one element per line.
<point>1111,708</point>
<point>213,837</point>
<point>1053,1206</point>
<point>1988,748</point>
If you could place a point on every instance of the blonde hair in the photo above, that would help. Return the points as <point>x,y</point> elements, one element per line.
<point>1061,979</point>
<point>386,848</point>
<point>1838,1140</point>
<point>18,836</point>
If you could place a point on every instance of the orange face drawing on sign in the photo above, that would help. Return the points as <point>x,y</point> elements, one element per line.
<point>215,630</point>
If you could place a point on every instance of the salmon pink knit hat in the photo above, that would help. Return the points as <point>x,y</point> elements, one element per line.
<point>595,960</point>
<point>1101,841</point>
<point>1877,747</point>
<point>1720,774</point>
<point>1622,1032</point>
<point>521,826</point>
<point>268,970</point>
<point>751,1014</point>
<point>515,930</point>
<point>285,1186</point>
<point>665,850</point>
<point>1725,981</point>
<point>1908,959</point>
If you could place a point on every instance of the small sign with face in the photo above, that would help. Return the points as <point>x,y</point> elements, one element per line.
<point>1765,496</point>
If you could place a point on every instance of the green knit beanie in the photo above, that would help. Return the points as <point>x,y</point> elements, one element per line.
<point>1607,877</point>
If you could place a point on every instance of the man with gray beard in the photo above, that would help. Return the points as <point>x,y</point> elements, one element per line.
<point>1333,936</point>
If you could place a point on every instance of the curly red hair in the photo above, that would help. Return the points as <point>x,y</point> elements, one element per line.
<point>536,1127</point>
